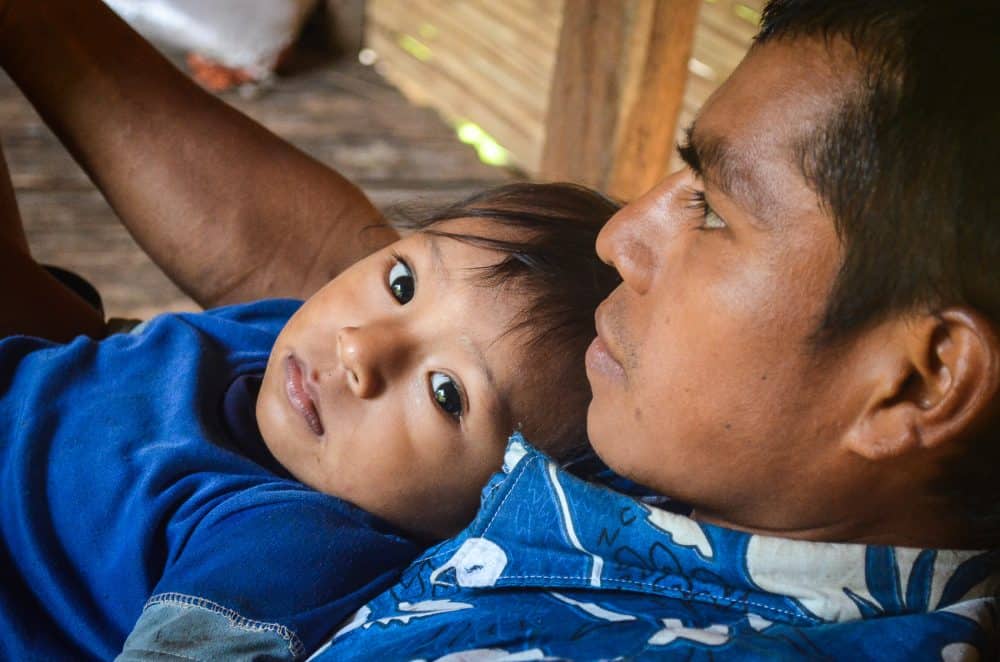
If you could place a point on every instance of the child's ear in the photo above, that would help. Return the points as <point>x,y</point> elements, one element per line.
<point>936,377</point>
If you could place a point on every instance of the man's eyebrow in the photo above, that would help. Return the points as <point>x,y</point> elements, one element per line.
<point>710,157</point>
<point>689,153</point>
<point>713,159</point>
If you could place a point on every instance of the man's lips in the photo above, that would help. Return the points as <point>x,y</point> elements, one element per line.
<point>600,357</point>
<point>298,395</point>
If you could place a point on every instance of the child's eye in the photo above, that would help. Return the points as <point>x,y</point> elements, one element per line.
<point>446,394</point>
<point>401,282</point>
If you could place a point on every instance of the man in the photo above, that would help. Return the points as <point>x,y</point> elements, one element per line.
<point>804,348</point>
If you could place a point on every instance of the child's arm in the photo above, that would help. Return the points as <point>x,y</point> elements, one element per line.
<point>230,211</point>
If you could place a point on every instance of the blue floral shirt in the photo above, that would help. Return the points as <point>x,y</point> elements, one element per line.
<point>554,567</point>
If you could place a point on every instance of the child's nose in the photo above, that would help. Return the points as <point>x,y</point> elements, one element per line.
<point>368,355</point>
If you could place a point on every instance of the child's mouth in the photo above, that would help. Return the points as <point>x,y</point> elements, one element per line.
<point>298,395</point>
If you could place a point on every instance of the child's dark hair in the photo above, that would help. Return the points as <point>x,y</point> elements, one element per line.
<point>549,257</point>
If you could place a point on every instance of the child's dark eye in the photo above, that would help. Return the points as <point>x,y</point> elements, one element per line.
<point>446,394</point>
<point>401,282</point>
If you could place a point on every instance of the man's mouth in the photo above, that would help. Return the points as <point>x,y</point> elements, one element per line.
<point>600,357</point>
<point>298,394</point>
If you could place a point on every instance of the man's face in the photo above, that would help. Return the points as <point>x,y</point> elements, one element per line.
<point>704,383</point>
<point>392,386</point>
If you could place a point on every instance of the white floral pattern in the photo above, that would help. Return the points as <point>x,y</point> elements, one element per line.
<point>478,562</point>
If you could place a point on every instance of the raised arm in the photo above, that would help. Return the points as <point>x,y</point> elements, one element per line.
<point>227,209</point>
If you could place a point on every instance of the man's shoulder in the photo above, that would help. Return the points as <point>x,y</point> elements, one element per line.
<point>537,625</point>
<point>554,566</point>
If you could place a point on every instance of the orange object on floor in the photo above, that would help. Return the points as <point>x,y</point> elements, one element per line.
<point>214,76</point>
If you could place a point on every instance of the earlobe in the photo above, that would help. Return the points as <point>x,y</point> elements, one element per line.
<point>884,434</point>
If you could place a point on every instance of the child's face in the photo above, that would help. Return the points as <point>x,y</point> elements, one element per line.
<point>392,386</point>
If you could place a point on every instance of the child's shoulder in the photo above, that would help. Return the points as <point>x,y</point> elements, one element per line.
<point>266,313</point>
<point>227,340</point>
<point>227,324</point>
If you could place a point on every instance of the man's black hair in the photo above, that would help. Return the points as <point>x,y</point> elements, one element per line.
<point>547,234</point>
<point>907,164</point>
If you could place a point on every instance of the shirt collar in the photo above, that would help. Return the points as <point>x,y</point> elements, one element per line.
<point>542,527</point>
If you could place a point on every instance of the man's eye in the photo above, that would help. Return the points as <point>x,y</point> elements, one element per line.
<point>446,394</point>
<point>401,282</point>
<point>710,219</point>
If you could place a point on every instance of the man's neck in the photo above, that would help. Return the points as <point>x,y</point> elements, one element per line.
<point>917,526</point>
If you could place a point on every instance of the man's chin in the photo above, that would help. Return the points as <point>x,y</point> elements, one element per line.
<point>602,425</point>
<point>616,436</point>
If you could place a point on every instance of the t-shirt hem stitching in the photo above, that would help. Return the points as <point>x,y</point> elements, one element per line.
<point>295,645</point>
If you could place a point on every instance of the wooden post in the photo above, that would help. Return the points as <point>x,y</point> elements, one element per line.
<point>616,92</point>
<point>346,25</point>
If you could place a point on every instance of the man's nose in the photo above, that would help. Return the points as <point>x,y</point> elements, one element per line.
<point>369,355</point>
<point>634,240</point>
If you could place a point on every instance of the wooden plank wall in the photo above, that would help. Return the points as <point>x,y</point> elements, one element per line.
<point>481,60</point>
<point>594,91</point>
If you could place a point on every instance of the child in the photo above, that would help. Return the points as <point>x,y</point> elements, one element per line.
<point>276,464</point>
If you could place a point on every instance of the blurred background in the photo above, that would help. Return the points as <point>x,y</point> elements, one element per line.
<point>411,99</point>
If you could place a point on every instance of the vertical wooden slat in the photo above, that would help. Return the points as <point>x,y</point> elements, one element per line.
<point>617,91</point>
<point>584,94</point>
<point>346,24</point>
<point>647,127</point>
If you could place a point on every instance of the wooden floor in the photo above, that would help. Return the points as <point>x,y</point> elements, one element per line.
<point>341,112</point>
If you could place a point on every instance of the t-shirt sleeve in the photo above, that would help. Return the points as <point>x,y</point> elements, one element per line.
<point>272,570</point>
<point>268,315</point>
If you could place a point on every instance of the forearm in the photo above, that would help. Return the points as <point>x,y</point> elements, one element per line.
<point>227,209</point>
<point>32,301</point>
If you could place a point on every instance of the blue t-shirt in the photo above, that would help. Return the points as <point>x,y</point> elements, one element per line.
<point>132,476</point>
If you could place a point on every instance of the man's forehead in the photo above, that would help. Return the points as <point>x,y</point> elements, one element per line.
<point>747,138</point>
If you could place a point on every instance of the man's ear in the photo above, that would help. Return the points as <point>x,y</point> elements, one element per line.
<point>935,377</point>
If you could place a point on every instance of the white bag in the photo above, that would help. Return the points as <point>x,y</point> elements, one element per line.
<point>240,34</point>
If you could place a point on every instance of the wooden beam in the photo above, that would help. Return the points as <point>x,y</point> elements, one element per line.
<point>616,92</point>
<point>346,25</point>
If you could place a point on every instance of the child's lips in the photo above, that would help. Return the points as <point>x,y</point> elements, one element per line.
<point>298,395</point>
